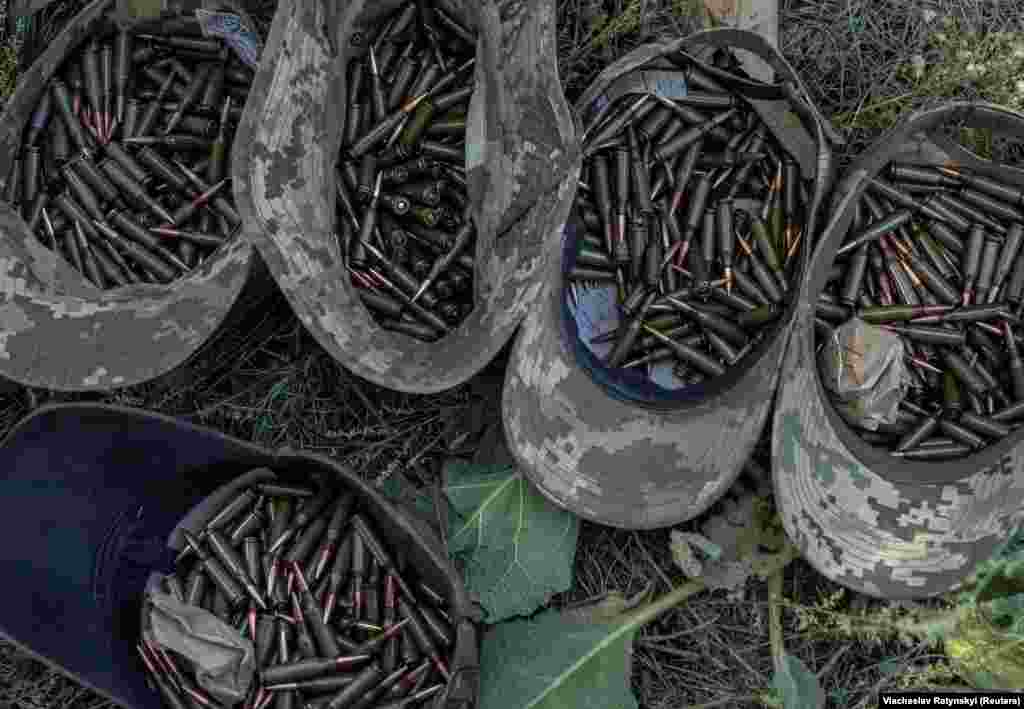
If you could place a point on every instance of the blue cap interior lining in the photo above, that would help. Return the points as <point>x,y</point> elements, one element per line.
<point>625,384</point>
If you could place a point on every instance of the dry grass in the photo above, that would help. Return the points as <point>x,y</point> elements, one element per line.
<point>867,62</point>
<point>715,648</point>
<point>857,56</point>
<point>593,33</point>
<point>29,684</point>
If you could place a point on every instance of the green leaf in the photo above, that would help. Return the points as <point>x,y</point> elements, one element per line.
<point>840,695</point>
<point>515,548</point>
<point>563,660</point>
<point>890,666</point>
<point>1007,613</point>
<point>712,550</point>
<point>798,686</point>
<point>264,423</point>
<point>998,585</point>
<point>555,662</point>
<point>279,390</point>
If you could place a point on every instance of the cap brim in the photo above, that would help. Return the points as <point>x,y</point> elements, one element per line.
<point>90,495</point>
<point>879,525</point>
<point>617,462</point>
<point>886,538</point>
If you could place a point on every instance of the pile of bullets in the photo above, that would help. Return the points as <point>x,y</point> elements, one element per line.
<point>933,254</point>
<point>692,214</point>
<point>404,225</point>
<point>336,620</point>
<point>128,180</point>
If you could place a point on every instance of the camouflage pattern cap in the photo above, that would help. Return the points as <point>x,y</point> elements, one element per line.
<point>612,460</point>
<point>881,526</point>
<point>522,163</point>
<point>60,332</point>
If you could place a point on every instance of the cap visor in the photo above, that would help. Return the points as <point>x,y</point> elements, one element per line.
<point>617,462</point>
